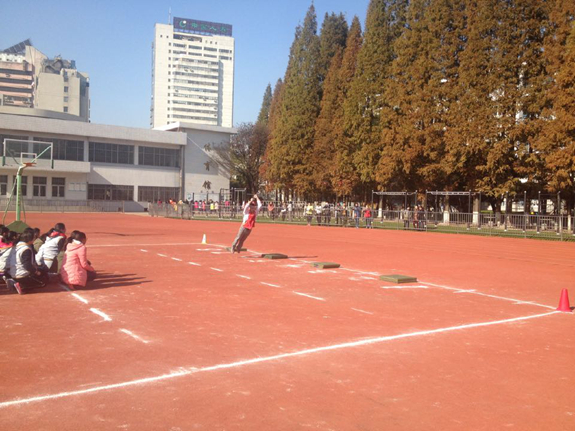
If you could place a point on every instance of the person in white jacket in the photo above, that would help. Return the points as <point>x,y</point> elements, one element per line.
<point>48,253</point>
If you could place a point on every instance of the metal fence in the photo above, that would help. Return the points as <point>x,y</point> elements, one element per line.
<point>63,206</point>
<point>555,227</point>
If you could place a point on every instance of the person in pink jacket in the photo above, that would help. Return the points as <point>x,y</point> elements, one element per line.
<point>76,269</point>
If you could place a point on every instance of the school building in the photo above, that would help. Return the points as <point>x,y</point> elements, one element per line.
<point>96,162</point>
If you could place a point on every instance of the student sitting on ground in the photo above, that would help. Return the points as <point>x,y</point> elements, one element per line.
<point>48,252</point>
<point>22,266</point>
<point>5,249</point>
<point>38,239</point>
<point>76,268</point>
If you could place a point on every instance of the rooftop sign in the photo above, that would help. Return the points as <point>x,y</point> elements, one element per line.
<point>195,26</point>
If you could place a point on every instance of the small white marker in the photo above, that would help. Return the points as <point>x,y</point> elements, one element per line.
<point>131,334</point>
<point>175,258</point>
<point>194,263</point>
<point>269,284</point>
<point>309,296</point>
<point>464,291</point>
<point>101,314</point>
<point>145,251</point>
<point>244,276</point>
<point>217,269</point>
<point>79,298</point>
<point>163,255</point>
<point>361,311</point>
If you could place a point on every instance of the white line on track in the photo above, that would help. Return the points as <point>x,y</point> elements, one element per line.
<point>162,255</point>
<point>192,370</point>
<point>473,292</point>
<point>404,287</point>
<point>244,276</point>
<point>131,334</point>
<point>217,269</point>
<point>269,284</point>
<point>145,251</point>
<point>79,298</point>
<point>194,263</point>
<point>175,258</point>
<point>144,245</point>
<point>309,296</point>
<point>101,314</point>
<point>361,311</point>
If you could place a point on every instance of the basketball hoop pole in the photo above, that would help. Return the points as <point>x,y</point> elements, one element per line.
<point>19,190</point>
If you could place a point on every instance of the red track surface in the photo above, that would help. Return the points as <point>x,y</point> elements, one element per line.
<point>191,318</point>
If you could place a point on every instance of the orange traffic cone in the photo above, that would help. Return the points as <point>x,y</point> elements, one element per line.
<point>564,302</point>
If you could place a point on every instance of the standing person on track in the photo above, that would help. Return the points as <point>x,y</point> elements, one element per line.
<point>251,210</point>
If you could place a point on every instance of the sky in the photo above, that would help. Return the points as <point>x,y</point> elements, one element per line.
<point>111,40</point>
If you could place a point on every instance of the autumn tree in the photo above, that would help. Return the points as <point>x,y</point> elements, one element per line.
<point>263,116</point>
<point>365,101</point>
<point>555,142</point>
<point>244,155</point>
<point>292,140</point>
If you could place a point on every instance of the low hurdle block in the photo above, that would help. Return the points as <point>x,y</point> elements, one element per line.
<point>398,278</point>
<point>325,265</point>
<point>274,256</point>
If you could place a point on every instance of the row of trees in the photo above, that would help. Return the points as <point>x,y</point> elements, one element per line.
<point>433,94</point>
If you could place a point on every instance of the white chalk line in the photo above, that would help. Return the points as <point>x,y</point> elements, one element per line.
<point>161,255</point>
<point>309,296</point>
<point>404,287</point>
<point>131,334</point>
<point>101,314</point>
<point>143,245</point>
<point>269,284</point>
<point>145,251</point>
<point>474,292</point>
<point>362,311</point>
<point>194,263</point>
<point>175,258</point>
<point>79,298</point>
<point>244,276</point>
<point>192,370</point>
<point>217,269</point>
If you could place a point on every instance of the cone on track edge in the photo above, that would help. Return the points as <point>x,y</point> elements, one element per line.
<point>564,302</point>
<point>204,241</point>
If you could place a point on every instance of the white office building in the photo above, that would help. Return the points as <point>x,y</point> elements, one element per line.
<point>97,163</point>
<point>33,84</point>
<point>192,73</point>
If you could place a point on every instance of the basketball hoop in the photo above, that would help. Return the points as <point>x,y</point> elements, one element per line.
<point>29,164</point>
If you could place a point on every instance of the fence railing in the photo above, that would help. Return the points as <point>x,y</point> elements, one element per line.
<point>556,227</point>
<point>53,205</point>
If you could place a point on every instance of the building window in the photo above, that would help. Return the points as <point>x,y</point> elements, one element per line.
<point>65,99</point>
<point>24,185</point>
<point>155,194</point>
<point>3,185</point>
<point>153,156</point>
<point>63,149</point>
<point>65,109</point>
<point>109,192</point>
<point>65,89</point>
<point>39,186</point>
<point>58,187</point>
<point>111,153</point>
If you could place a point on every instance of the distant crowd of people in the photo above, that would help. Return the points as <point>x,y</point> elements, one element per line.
<point>30,260</point>
<point>319,212</point>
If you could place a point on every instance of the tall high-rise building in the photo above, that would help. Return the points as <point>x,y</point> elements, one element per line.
<point>33,84</point>
<point>192,73</point>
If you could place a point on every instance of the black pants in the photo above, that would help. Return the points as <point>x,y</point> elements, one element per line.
<point>32,281</point>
